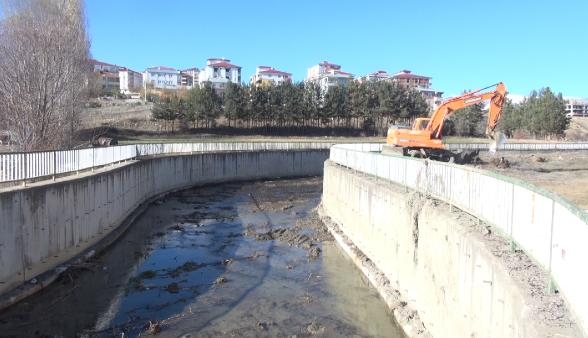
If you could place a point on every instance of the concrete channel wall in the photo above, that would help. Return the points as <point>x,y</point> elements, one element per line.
<point>46,224</point>
<point>546,227</point>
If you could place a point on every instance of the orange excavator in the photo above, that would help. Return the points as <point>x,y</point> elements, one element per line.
<point>425,136</point>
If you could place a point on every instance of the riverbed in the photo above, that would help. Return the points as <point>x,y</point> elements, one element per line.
<point>240,259</point>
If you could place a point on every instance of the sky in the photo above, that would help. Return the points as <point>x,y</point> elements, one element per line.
<point>461,45</point>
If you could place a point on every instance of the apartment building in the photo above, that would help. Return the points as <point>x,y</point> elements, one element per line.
<point>99,66</point>
<point>577,107</point>
<point>130,81</point>
<point>420,83</point>
<point>408,79</point>
<point>218,72</point>
<point>328,75</point>
<point>265,75</point>
<point>380,75</point>
<point>162,77</point>
<point>106,74</point>
<point>189,77</point>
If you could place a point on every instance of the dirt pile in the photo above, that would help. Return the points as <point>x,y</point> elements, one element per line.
<point>307,234</point>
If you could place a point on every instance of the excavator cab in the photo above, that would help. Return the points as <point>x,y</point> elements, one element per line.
<point>420,123</point>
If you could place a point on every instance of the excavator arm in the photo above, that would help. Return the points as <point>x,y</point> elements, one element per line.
<point>446,109</point>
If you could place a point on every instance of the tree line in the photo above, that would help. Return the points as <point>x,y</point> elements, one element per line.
<point>367,106</point>
<point>541,115</point>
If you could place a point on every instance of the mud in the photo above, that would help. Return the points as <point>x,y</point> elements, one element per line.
<point>247,259</point>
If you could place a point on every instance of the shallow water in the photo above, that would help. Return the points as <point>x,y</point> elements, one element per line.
<point>201,263</point>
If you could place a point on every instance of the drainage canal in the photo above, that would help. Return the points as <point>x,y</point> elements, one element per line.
<point>246,259</point>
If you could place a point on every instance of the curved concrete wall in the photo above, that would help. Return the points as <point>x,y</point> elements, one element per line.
<point>47,224</point>
<point>550,230</point>
<point>443,268</point>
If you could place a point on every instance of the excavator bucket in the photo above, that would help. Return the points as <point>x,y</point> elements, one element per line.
<point>498,140</point>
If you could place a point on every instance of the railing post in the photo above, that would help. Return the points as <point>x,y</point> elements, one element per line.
<point>551,285</point>
<point>25,169</point>
<point>54,165</point>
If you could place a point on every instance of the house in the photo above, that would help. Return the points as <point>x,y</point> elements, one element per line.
<point>265,75</point>
<point>130,81</point>
<point>328,75</point>
<point>162,77</point>
<point>218,72</point>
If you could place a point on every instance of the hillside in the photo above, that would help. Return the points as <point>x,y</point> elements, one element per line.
<point>578,130</point>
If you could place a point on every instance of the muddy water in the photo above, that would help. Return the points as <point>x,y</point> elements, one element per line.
<point>246,259</point>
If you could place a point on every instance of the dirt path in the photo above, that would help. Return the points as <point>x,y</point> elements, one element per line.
<point>562,172</point>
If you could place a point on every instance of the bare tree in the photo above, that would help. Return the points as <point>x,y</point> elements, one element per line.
<point>44,54</point>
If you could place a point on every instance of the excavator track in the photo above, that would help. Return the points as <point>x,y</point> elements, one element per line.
<point>443,155</point>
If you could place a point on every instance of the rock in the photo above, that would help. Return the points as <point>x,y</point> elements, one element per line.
<point>220,280</point>
<point>315,328</point>
<point>314,252</point>
<point>173,288</point>
<point>154,328</point>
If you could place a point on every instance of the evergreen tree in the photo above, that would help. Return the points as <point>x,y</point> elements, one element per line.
<point>233,102</point>
<point>467,121</point>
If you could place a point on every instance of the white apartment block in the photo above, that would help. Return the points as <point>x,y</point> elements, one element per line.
<point>380,75</point>
<point>577,107</point>
<point>162,77</point>
<point>265,75</point>
<point>130,81</point>
<point>328,75</point>
<point>189,77</point>
<point>219,72</point>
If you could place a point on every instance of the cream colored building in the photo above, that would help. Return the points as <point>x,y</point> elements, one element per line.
<point>328,75</point>
<point>265,75</point>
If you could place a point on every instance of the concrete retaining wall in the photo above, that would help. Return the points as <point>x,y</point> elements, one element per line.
<point>548,228</point>
<point>45,225</point>
<point>441,266</point>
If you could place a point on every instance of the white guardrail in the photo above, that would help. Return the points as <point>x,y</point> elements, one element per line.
<point>25,166</point>
<point>521,146</point>
<point>545,226</point>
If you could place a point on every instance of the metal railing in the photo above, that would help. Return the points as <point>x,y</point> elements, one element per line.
<point>521,146</point>
<point>175,148</point>
<point>548,228</point>
<point>16,167</point>
<point>25,166</point>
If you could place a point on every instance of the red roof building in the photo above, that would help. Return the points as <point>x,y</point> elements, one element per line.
<point>406,78</point>
<point>265,75</point>
<point>218,72</point>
